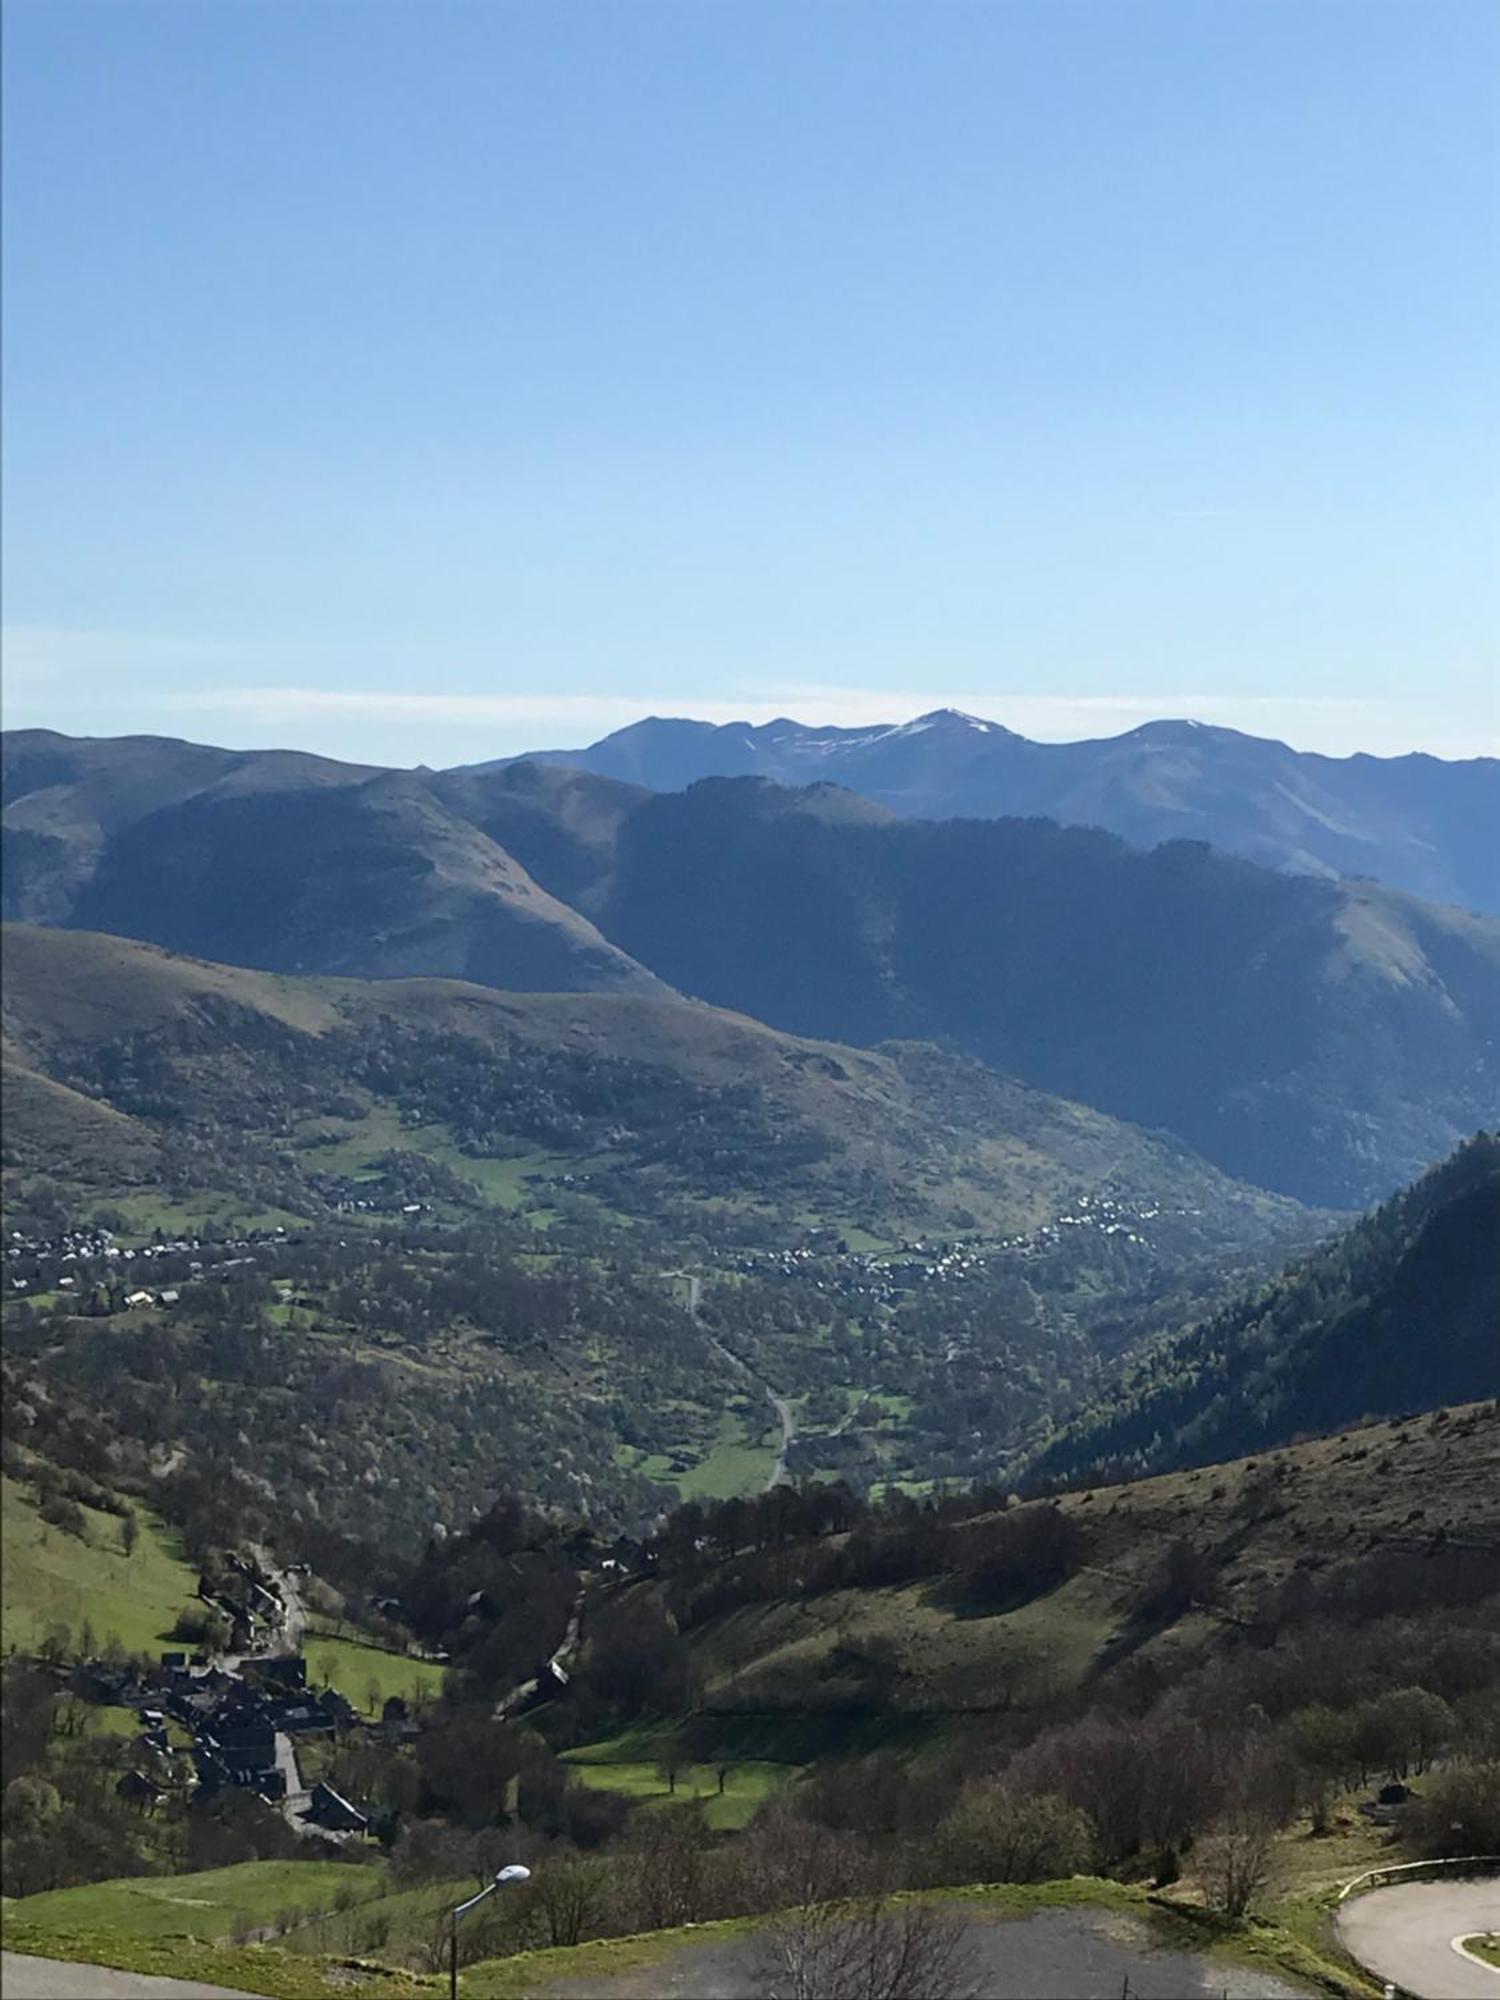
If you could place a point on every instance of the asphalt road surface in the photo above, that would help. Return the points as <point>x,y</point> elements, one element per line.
<point>23,1978</point>
<point>1405,1935</point>
<point>1055,1955</point>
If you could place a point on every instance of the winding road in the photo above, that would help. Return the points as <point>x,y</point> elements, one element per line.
<point>1408,1935</point>
<point>778,1403</point>
<point>560,1660</point>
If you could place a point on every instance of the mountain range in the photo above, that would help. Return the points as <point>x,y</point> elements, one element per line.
<point>1417,822</point>
<point>1321,1038</point>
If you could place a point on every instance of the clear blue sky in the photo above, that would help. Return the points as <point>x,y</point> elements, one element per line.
<point>421,382</point>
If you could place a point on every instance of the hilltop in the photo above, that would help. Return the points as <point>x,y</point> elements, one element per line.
<point>283,862</point>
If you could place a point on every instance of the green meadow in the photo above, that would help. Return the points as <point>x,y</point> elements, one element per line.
<point>356,1667</point>
<point>52,1577</point>
<point>209,1906</point>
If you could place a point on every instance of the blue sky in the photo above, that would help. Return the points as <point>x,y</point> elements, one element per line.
<point>425,382</point>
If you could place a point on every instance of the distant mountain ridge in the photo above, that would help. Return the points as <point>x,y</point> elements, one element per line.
<point>1420,823</point>
<point>1325,1039</point>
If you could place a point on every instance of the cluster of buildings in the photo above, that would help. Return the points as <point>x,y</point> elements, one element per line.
<point>911,1266</point>
<point>241,1729</point>
<point>347,1196</point>
<point>80,1259</point>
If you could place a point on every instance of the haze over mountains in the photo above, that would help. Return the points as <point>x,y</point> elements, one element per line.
<point>1417,822</point>
<point>1325,1039</point>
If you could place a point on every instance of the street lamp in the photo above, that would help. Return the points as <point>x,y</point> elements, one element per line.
<point>512,1872</point>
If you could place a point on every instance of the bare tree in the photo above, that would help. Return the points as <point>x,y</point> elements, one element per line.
<point>571,1897</point>
<point>669,1864</point>
<point>872,1948</point>
<point>788,1862</point>
<point>1236,1861</point>
<point>669,1764</point>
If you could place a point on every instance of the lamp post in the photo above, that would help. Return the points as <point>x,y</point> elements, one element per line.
<point>514,1872</point>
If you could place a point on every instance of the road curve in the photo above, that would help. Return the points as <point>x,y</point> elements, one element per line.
<point>26,1978</point>
<point>1405,1935</point>
<point>779,1404</point>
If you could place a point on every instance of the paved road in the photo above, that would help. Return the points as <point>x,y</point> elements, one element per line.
<point>23,1978</point>
<point>1055,1955</point>
<point>296,1798</point>
<point>1405,1934</point>
<point>524,1690</point>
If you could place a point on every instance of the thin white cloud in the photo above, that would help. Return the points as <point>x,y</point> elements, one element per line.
<point>112,682</point>
<point>1337,725</point>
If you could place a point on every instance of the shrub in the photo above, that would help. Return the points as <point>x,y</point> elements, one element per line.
<point>992,1835</point>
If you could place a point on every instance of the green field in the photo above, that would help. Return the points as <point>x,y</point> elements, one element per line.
<point>354,1667</point>
<point>629,1763</point>
<point>208,1906</point>
<point>1486,1947</point>
<point>736,1457</point>
<point>354,1149</point>
<point>52,1578</point>
<point>740,1460</point>
<point>141,1212</point>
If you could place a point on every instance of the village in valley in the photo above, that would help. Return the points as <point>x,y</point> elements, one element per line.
<point>237,1717</point>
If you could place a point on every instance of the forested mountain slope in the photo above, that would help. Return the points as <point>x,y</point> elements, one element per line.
<point>1400,1313</point>
<point>1324,1039</point>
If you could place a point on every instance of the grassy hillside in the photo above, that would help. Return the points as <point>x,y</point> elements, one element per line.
<point>68,1575</point>
<point>930,1650</point>
<point>211,1906</point>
